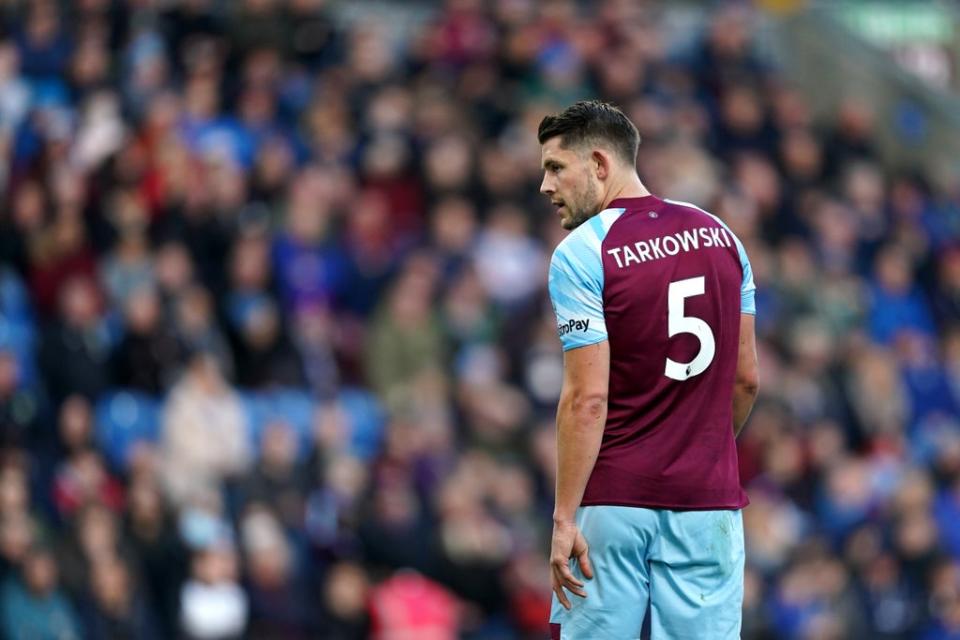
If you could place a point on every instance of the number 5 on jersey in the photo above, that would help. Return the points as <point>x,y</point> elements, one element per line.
<point>678,323</point>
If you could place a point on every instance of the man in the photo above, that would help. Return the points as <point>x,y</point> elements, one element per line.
<point>655,309</point>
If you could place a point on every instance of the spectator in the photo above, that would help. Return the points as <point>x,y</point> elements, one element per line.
<point>197,328</point>
<point>309,267</point>
<point>76,348</point>
<point>32,604</point>
<point>852,136</point>
<point>204,439</point>
<point>334,206</point>
<point>411,604</point>
<point>58,252</point>
<point>119,611</point>
<point>277,604</point>
<point>344,608</point>
<point>277,481</point>
<point>148,356</point>
<point>212,603</point>
<point>76,424</point>
<point>129,267</point>
<point>160,553</point>
<point>95,536</point>
<point>43,42</point>
<point>14,493</point>
<point>174,274</point>
<point>947,298</point>
<point>504,252</point>
<point>265,355</point>
<point>898,304</point>
<point>405,341</point>
<point>19,405</point>
<point>16,92</point>
<point>313,335</point>
<point>393,530</point>
<point>83,479</point>
<point>18,532</point>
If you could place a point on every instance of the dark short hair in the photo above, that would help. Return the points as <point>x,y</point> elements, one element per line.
<point>593,121</point>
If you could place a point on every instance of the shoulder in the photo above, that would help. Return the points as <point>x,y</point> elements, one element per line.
<point>696,211</point>
<point>578,246</point>
<point>585,242</point>
<point>706,216</point>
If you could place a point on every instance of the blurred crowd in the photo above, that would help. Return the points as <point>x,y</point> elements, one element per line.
<point>276,354</point>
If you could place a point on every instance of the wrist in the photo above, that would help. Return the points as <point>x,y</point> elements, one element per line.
<point>560,518</point>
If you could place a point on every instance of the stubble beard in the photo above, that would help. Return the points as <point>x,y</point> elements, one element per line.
<point>586,207</point>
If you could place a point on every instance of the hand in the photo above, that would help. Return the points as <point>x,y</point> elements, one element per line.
<point>568,543</point>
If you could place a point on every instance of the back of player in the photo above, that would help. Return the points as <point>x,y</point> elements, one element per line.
<point>673,277</point>
<point>665,283</point>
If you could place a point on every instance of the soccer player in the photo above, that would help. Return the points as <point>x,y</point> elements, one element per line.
<point>655,311</point>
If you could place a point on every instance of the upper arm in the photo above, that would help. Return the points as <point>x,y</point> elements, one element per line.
<point>748,289</point>
<point>576,292</point>
<point>748,373</point>
<point>748,369</point>
<point>586,372</point>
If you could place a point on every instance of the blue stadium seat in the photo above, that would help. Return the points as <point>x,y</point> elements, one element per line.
<point>296,407</point>
<point>293,406</point>
<point>257,410</point>
<point>366,418</point>
<point>124,418</point>
<point>17,325</point>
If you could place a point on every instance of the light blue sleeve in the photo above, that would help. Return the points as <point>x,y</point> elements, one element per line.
<point>576,288</point>
<point>748,290</point>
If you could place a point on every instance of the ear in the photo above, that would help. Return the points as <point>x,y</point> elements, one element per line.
<point>601,164</point>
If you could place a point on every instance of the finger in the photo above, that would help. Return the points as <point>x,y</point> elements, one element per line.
<point>562,569</point>
<point>561,596</point>
<point>572,584</point>
<point>566,582</point>
<point>584,560</point>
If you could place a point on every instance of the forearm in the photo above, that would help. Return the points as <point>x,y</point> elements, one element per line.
<point>747,381</point>
<point>744,396</point>
<point>580,423</point>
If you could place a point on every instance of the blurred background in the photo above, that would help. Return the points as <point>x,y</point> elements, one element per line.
<point>276,354</point>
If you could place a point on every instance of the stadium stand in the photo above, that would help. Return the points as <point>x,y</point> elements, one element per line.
<point>276,354</point>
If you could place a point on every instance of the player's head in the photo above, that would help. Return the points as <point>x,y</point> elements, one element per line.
<point>585,147</point>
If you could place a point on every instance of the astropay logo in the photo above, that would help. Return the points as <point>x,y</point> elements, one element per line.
<point>573,325</point>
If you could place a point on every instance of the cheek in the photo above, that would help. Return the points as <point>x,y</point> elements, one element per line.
<point>574,190</point>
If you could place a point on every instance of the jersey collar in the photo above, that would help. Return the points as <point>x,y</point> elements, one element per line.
<point>634,203</point>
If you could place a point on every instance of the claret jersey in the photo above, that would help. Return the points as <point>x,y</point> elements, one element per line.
<point>665,283</point>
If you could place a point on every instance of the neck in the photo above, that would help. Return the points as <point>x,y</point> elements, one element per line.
<point>629,187</point>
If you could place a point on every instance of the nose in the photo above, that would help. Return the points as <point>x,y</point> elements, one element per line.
<point>546,187</point>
